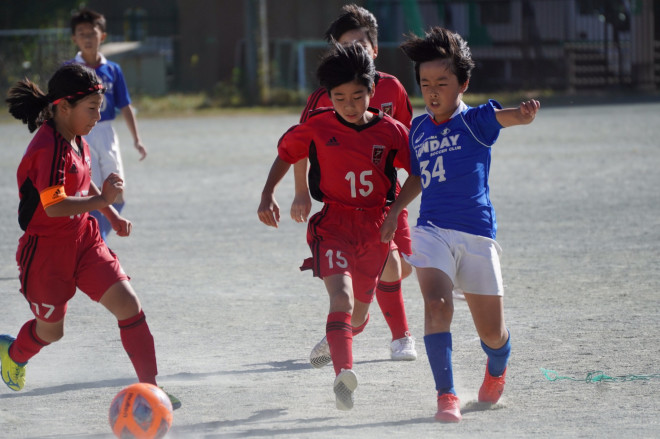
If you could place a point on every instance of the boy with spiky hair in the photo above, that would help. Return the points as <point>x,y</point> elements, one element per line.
<point>356,24</point>
<point>354,151</point>
<point>454,239</point>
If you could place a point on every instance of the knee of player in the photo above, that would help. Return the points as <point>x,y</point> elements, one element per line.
<point>128,309</point>
<point>51,334</point>
<point>56,337</point>
<point>439,308</point>
<point>494,338</point>
<point>341,301</point>
<point>121,300</point>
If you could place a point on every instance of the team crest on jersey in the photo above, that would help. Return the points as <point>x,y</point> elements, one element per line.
<point>387,108</point>
<point>377,154</point>
<point>445,131</point>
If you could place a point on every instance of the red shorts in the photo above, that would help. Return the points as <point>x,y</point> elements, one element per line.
<point>402,241</point>
<point>51,268</point>
<point>347,241</point>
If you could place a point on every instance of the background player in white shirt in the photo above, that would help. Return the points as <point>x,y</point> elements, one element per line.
<point>88,33</point>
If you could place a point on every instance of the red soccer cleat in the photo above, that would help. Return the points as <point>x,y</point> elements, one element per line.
<point>449,408</point>
<point>492,387</point>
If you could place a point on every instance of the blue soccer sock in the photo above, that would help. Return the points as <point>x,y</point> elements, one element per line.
<point>438,349</point>
<point>498,358</point>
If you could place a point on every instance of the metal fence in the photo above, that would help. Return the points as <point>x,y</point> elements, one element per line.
<point>563,45</point>
<point>32,53</point>
<point>556,44</point>
<point>37,53</point>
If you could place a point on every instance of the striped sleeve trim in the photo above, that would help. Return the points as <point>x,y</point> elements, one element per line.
<point>312,103</point>
<point>58,165</point>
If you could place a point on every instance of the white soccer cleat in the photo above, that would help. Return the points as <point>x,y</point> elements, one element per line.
<point>403,349</point>
<point>345,384</point>
<point>320,355</point>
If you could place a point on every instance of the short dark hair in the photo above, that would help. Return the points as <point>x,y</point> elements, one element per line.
<point>346,63</point>
<point>71,82</point>
<point>440,43</point>
<point>353,17</point>
<point>87,15</point>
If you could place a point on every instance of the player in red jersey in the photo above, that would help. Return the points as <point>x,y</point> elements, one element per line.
<point>354,151</point>
<point>358,24</point>
<point>62,249</point>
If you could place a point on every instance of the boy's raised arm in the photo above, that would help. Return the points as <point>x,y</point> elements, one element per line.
<point>522,115</point>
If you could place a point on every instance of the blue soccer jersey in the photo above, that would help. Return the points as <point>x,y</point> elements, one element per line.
<point>116,94</point>
<point>452,160</point>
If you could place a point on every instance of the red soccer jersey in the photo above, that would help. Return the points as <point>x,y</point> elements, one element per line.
<point>351,165</point>
<point>49,171</point>
<point>390,97</point>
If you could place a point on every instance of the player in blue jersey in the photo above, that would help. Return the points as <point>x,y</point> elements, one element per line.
<point>88,32</point>
<point>454,239</point>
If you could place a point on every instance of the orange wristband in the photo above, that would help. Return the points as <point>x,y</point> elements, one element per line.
<point>52,195</point>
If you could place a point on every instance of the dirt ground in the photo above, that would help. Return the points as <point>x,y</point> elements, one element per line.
<point>576,195</point>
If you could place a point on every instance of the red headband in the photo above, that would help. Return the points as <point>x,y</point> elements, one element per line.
<point>86,92</point>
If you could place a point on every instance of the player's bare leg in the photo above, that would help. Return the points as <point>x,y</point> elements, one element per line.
<point>406,268</point>
<point>488,315</point>
<point>339,334</point>
<point>437,289</point>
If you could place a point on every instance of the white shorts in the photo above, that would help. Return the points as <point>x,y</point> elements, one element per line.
<point>104,151</point>
<point>472,262</point>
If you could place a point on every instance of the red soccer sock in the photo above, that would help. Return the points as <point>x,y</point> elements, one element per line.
<point>390,300</point>
<point>339,333</point>
<point>139,345</point>
<point>358,329</point>
<point>27,343</point>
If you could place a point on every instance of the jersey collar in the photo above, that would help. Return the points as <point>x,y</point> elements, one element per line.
<point>461,108</point>
<point>59,139</point>
<point>378,115</point>
<point>376,78</point>
<point>79,59</point>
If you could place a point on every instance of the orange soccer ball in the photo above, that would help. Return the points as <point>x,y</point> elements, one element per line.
<point>141,411</point>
